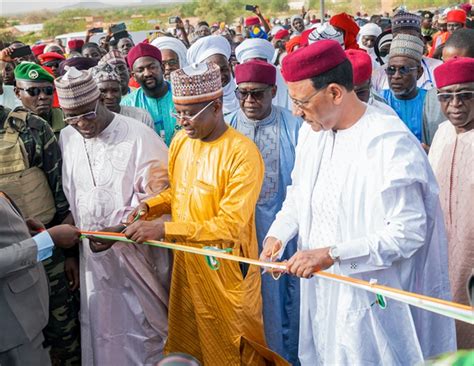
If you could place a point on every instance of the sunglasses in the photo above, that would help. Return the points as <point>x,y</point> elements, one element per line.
<point>35,91</point>
<point>257,94</point>
<point>190,118</point>
<point>89,116</point>
<point>52,64</point>
<point>463,96</point>
<point>404,70</point>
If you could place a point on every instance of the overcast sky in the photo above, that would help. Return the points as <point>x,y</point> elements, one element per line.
<point>9,6</point>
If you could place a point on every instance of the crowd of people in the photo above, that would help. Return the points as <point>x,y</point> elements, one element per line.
<point>343,144</point>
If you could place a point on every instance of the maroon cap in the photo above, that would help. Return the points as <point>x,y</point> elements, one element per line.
<point>361,65</point>
<point>38,49</point>
<point>143,50</point>
<point>255,71</point>
<point>252,21</point>
<point>458,70</point>
<point>313,60</point>
<point>75,44</point>
<point>282,33</point>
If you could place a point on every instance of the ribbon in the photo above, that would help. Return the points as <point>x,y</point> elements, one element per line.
<point>439,306</point>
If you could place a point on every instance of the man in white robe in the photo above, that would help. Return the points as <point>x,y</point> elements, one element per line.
<point>452,158</point>
<point>364,203</point>
<point>110,164</point>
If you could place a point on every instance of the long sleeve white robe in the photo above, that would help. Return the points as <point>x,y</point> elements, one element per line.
<point>124,290</point>
<point>389,228</point>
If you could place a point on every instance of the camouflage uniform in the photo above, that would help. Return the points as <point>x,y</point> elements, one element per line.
<point>62,333</point>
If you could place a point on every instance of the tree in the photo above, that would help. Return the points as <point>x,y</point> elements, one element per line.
<point>3,22</point>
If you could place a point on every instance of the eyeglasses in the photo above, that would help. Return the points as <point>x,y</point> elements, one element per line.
<point>301,103</point>
<point>404,70</point>
<point>463,96</point>
<point>257,94</point>
<point>87,116</point>
<point>190,118</point>
<point>170,63</point>
<point>35,90</point>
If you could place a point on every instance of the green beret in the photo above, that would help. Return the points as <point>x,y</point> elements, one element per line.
<point>33,72</point>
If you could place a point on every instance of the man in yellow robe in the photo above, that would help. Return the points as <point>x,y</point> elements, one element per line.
<point>215,179</point>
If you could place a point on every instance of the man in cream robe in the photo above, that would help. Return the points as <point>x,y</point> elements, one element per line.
<point>110,163</point>
<point>365,204</point>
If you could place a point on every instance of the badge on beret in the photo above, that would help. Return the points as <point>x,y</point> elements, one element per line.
<point>33,74</point>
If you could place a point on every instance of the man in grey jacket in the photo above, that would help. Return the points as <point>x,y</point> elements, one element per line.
<point>23,284</point>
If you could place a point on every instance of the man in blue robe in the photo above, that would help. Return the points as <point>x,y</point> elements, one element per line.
<point>275,132</point>
<point>403,70</point>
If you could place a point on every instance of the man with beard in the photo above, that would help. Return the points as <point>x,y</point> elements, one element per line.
<point>154,95</point>
<point>403,71</point>
<point>108,82</point>
<point>217,49</point>
<point>452,159</point>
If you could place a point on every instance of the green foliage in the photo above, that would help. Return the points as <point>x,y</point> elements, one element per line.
<point>188,9</point>
<point>54,27</point>
<point>3,22</point>
<point>279,5</point>
<point>138,25</point>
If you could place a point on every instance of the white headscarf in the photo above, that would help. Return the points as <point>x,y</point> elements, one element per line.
<point>326,31</point>
<point>254,48</point>
<point>215,45</point>
<point>175,45</point>
<point>370,29</point>
<point>293,18</point>
<point>207,46</point>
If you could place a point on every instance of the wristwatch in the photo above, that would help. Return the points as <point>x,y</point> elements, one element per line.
<point>334,253</point>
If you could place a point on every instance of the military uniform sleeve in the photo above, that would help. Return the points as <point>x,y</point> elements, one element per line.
<point>52,163</point>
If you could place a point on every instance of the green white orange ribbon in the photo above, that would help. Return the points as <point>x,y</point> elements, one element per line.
<point>446,308</point>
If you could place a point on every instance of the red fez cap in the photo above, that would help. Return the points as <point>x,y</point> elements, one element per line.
<point>456,16</point>
<point>313,60</point>
<point>143,50</point>
<point>458,70</point>
<point>305,37</point>
<point>282,33</point>
<point>50,56</point>
<point>256,71</point>
<point>38,49</point>
<point>75,44</point>
<point>466,7</point>
<point>252,21</point>
<point>361,65</point>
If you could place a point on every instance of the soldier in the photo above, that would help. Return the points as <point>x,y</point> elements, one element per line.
<point>30,173</point>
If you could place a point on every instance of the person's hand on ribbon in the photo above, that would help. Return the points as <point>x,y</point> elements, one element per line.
<point>305,262</point>
<point>98,244</point>
<point>270,253</point>
<point>139,213</point>
<point>141,231</point>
